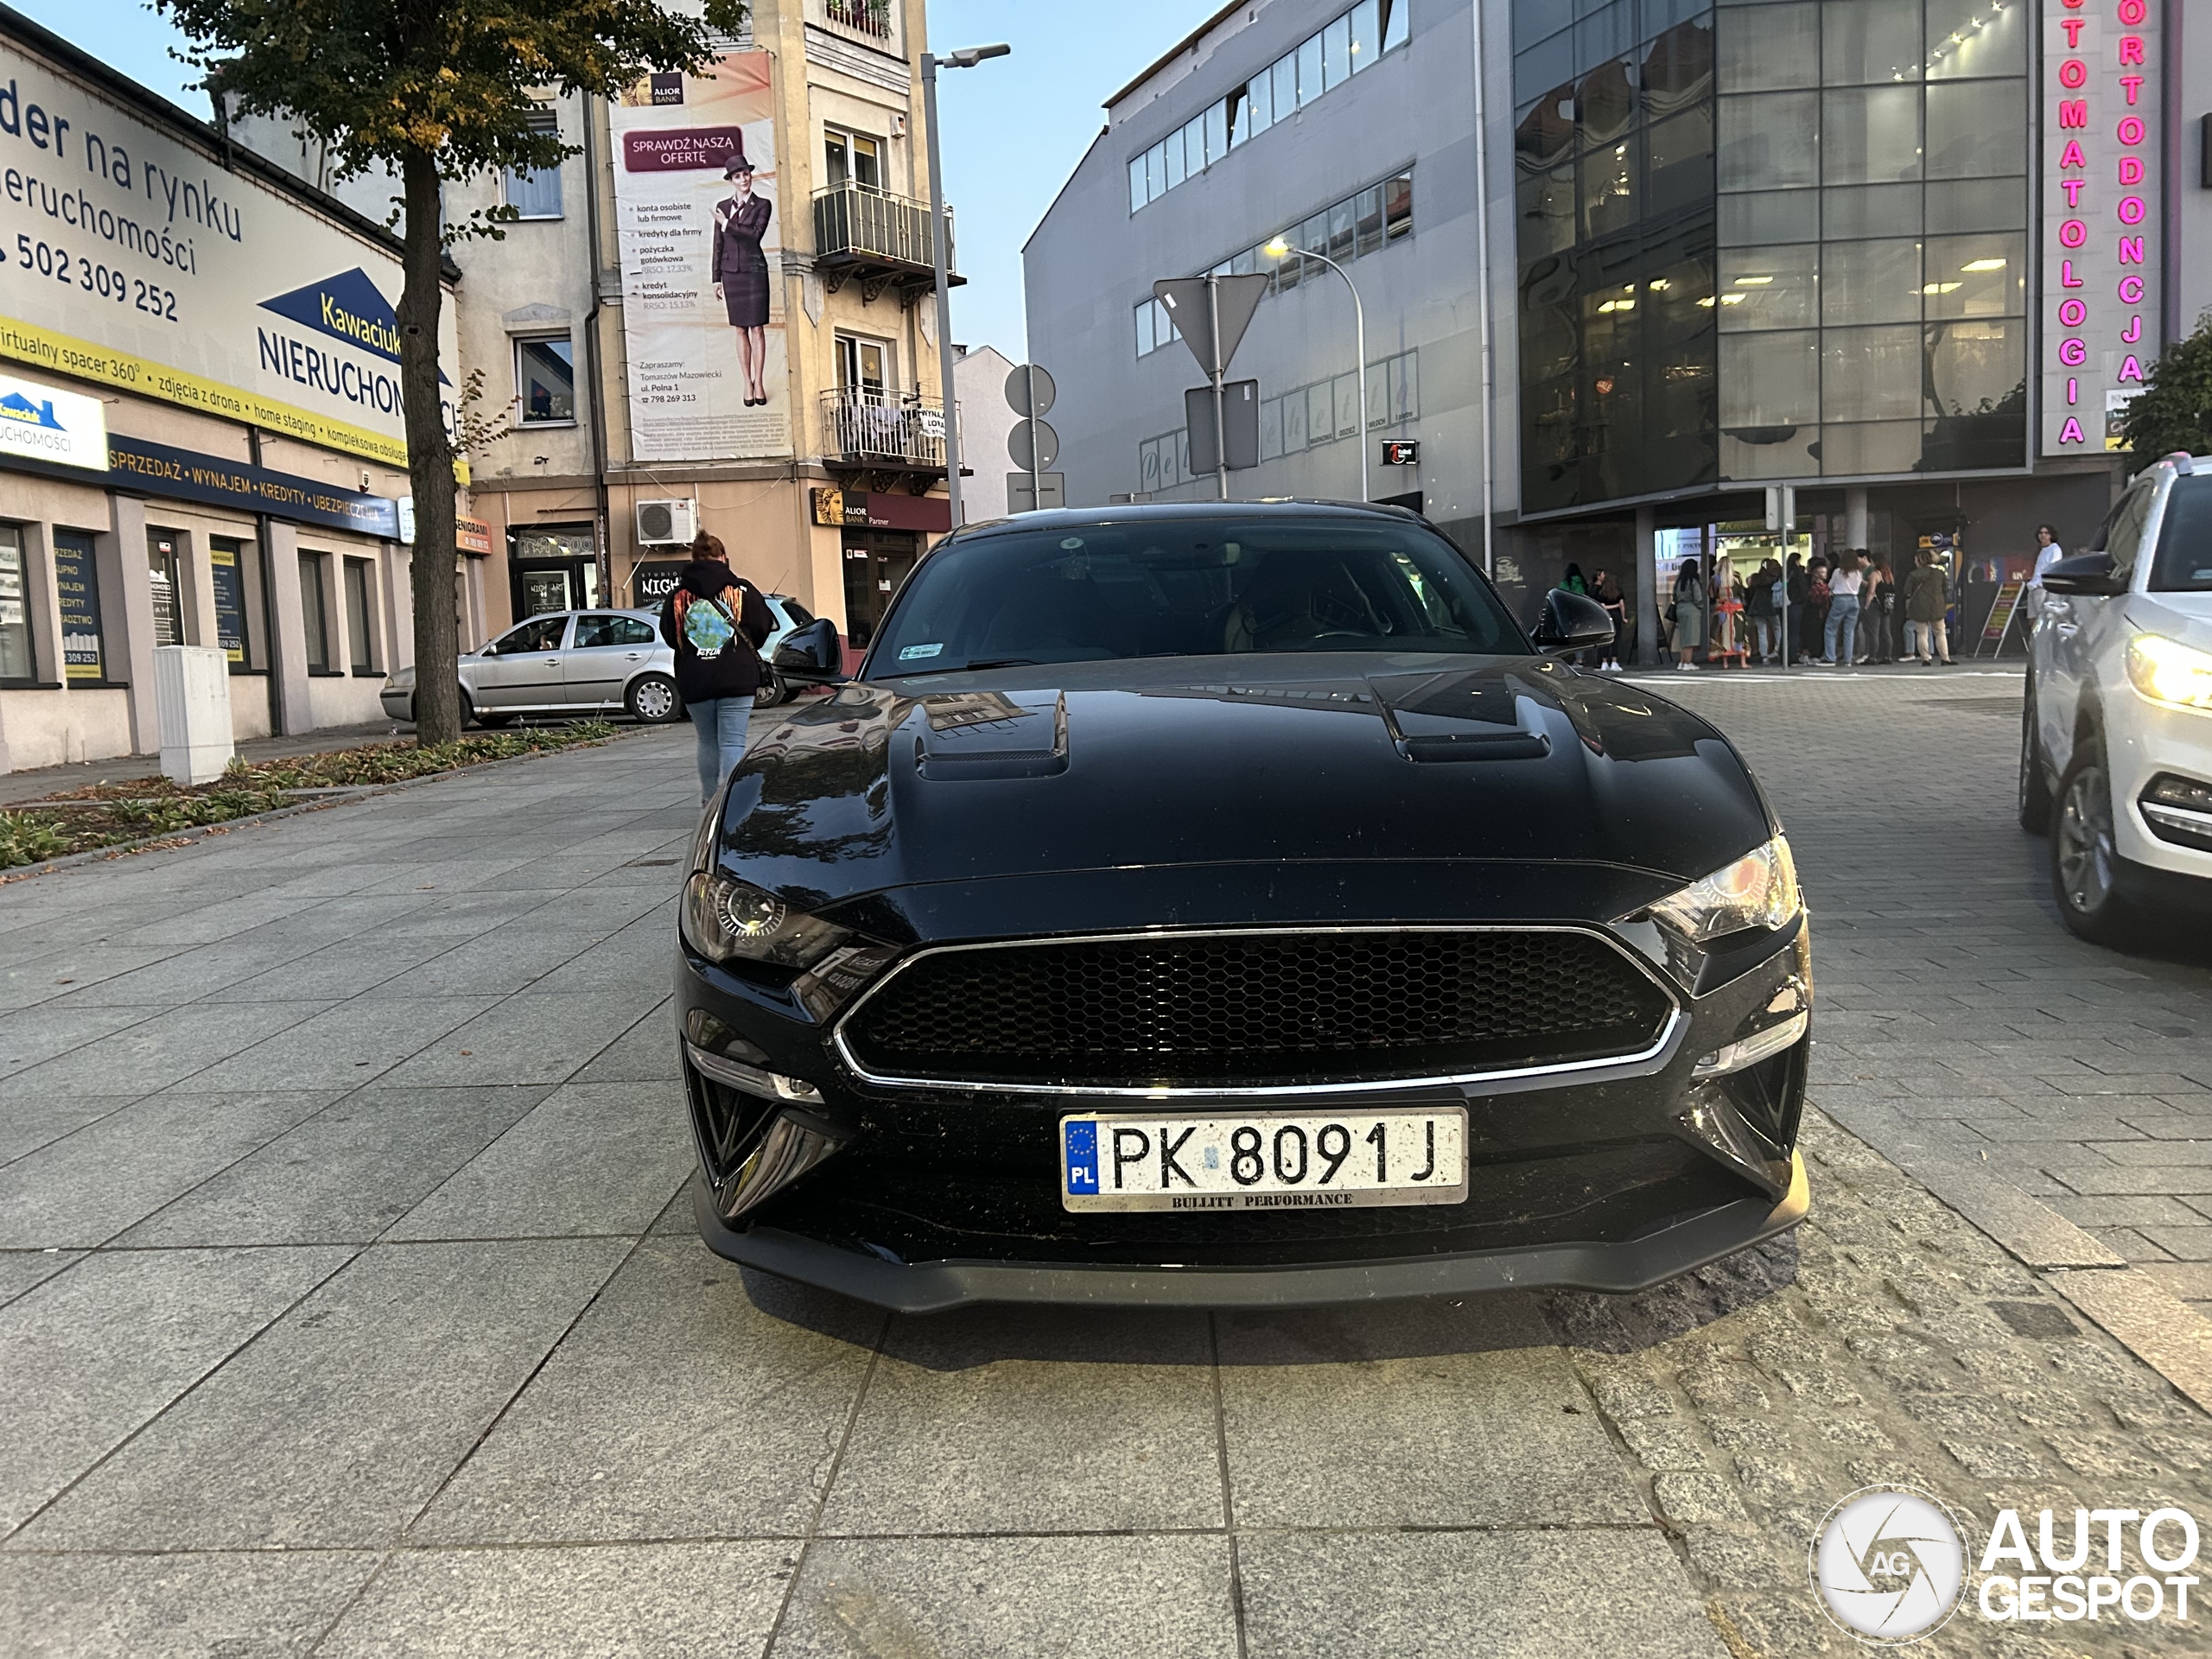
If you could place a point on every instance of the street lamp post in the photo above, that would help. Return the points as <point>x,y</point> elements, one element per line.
<point>966,58</point>
<point>1279,249</point>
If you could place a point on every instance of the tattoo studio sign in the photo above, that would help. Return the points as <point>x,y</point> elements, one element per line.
<point>2103,136</point>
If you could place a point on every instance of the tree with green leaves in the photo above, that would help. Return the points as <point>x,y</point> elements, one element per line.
<point>2174,410</point>
<point>434,90</point>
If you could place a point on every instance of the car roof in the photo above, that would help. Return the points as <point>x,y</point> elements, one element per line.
<point>1287,509</point>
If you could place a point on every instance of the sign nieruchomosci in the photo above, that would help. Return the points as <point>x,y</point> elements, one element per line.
<point>136,259</point>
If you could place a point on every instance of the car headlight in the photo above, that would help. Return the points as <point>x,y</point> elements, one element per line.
<point>1758,890</point>
<point>400,679</point>
<point>725,919</point>
<point>2166,670</point>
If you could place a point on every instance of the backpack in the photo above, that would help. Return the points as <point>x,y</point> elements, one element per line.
<point>707,627</point>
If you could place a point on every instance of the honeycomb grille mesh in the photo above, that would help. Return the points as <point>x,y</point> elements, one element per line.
<point>1256,1009</point>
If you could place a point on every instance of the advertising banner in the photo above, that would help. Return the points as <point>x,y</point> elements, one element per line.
<point>230,600</point>
<point>63,429</point>
<point>2102,186</point>
<point>135,259</point>
<point>77,589</point>
<point>184,475</point>
<point>701,223</point>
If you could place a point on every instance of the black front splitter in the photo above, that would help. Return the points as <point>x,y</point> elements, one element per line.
<point>936,1286</point>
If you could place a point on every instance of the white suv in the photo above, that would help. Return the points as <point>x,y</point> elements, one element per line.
<point>2116,736</point>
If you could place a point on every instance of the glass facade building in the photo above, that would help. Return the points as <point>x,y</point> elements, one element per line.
<point>1772,239</point>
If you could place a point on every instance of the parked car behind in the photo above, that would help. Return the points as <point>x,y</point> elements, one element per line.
<point>580,662</point>
<point>2116,733</point>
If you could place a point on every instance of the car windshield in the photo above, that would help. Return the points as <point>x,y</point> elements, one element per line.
<point>2184,563</point>
<point>1195,586</point>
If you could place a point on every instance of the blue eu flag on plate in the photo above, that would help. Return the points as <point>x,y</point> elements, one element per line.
<point>1079,1142</point>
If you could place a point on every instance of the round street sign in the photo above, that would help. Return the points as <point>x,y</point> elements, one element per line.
<point>1048,446</point>
<point>1017,390</point>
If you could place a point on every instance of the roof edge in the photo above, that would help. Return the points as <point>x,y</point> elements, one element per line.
<point>1176,50</point>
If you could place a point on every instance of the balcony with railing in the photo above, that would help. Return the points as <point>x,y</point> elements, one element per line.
<point>888,431</point>
<point>881,240</point>
<point>869,17</point>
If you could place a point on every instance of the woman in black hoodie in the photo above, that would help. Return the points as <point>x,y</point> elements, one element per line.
<point>716,624</point>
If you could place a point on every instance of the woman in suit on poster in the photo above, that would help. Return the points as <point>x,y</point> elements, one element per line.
<point>741,274</point>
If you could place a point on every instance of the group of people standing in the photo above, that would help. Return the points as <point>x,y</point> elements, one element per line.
<point>1850,610</point>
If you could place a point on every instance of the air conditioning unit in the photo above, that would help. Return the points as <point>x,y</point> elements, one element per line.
<point>661,524</point>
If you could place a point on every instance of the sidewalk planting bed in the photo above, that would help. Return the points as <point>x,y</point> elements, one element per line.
<point>135,809</point>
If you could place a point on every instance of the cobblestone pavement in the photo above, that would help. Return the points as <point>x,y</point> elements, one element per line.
<point>348,1304</point>
<point>1950,993</point>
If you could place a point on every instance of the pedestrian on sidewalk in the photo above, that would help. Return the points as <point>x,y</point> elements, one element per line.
<point>1762,604</point>
<point>1925,602</point>
<point>1817,599</point>
<point>1607,592</point>
<point>1689,614</point>
<point>1878,600</point>
<point>1844,583</point>
<point>716,623</point>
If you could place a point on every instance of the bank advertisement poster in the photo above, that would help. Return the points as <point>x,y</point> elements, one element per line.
<point>702,227</point>
<point>136,259</point>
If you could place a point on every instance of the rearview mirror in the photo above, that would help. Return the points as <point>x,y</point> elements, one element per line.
<point>2085,574</point>
<point>1572,622</point>
<point>811,655</point>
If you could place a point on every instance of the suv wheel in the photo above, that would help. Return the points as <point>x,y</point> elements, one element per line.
<point>2085,862</point>
<point>2034,802</point>
<point>651,699</point>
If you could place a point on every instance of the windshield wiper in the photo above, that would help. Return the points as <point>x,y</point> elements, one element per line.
<point>963,668</point>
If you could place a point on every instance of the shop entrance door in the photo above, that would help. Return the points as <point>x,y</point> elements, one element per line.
<point>872,575</point>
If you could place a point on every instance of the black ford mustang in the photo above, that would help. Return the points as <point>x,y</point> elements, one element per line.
<point>1232,905</point>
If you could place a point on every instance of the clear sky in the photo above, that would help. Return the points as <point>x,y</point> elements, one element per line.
<point>1014,128</point>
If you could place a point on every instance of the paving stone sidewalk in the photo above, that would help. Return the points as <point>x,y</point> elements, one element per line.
<point>349,1305</point>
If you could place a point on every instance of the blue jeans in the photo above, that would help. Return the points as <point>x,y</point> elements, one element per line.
<point>719,724</point>
<point>1843,615</point>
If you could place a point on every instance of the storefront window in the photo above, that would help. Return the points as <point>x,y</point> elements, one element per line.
<point>315,611</point>
<point>360,615</point>
<point>77,586</point>
<point>165,572</point>
<point>16,662</point>
<point>227,565</point>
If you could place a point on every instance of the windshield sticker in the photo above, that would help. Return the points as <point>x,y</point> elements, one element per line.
<point>909,653</point>
<point>1070,542</point>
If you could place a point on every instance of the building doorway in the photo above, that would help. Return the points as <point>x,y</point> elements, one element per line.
<point>553,568</point>
<point>876,566</point>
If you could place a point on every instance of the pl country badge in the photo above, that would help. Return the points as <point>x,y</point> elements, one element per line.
<point>1890,1564</point>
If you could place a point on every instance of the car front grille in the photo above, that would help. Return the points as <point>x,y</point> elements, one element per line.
<point>1276,1009</point>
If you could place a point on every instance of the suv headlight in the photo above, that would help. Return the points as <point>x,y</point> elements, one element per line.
<point>1758,890</point>
<point>726,919</point>
<point>2166,670</point>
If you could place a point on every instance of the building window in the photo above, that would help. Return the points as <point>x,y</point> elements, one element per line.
<point>864,367</point>
<point>545,377</point>
<point>17,660</point>
<point>1353,40</point>
<point>1365,222</point>
<point>852,158</point>
<point>362,614</point>
<point>315,612</point>
<point>165,573</point>
<point>534,193</point>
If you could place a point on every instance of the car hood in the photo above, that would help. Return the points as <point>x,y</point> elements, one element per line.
<point>1322,757</point>
<point>2183,616</point>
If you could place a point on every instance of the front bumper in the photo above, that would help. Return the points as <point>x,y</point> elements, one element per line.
<point>2145,740</point>
<point>1634,1264</point>
<point>920,1198</point>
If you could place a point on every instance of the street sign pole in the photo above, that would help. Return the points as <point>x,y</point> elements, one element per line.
<point>1036,457</point>
<point>1220,429</point>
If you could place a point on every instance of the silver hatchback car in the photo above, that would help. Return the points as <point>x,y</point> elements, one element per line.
<point>580,663</point>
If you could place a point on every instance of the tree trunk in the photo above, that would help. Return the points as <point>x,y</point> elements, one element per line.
<point>429,459</point>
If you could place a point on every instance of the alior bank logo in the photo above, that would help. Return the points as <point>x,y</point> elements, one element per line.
<point>1890,1564</point>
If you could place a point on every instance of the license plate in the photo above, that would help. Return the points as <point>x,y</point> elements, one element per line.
<point>1264,1160</point>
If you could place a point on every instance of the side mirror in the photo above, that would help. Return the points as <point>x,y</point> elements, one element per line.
<point>1572,622</point>
<point>811,655</point>
<point>2086,575</point>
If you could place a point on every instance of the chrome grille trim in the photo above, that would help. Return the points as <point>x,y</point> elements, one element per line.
<point>1669,1030</point>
